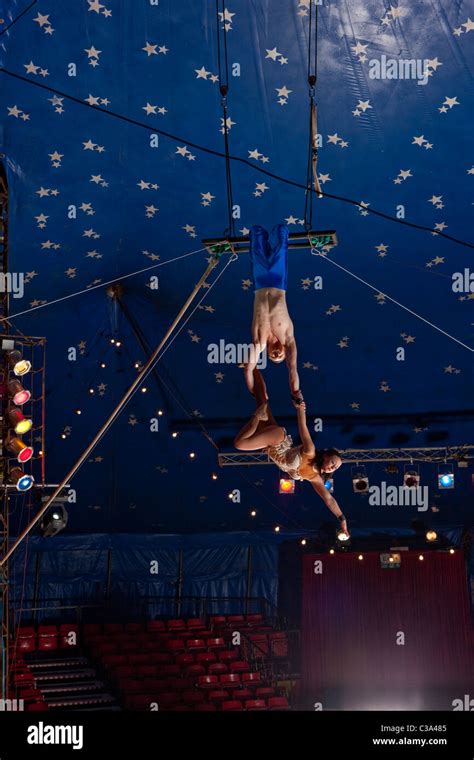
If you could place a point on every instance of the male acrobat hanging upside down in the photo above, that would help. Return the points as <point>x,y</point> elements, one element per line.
<point>272,327</point>
<point>301,462</point>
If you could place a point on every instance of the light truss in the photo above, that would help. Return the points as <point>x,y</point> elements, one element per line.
<point>320,239</point>
<point>463,452</point>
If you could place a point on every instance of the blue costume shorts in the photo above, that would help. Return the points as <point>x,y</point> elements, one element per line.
<point>269,256</point>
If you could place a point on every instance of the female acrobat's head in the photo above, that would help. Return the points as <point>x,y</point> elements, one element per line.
<point>327,461</point>
<point>275,350</point>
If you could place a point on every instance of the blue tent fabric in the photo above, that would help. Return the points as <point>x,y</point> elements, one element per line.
<point>95,198</point>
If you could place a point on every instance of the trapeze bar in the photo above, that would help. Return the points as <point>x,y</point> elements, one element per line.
<point>427,454</point>
<point>297,240</point>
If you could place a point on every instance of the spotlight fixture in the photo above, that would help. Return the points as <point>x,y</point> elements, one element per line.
<point>18,421</point>
<point>361,556</point>
<point>137,365</point>
<point>214,476</point>
<point>421,558</point>
<point>22,452</point>
<point>20,480</point>
<point>112,340</point>
<point>329,484</point>
<point>144,389</point>
<point>19,365</point>
<point>174,435</point>
<point>360,479</point>
<point>445,477</point>
<point>332,551</point>
<point>253,513</point>
<point>431,535</point>
<point>451,551</point>
<point>192,455</point>
<point>160,412</point>
<point>91,391</point>
<point>118,343</point>
<point>78,411</point>
<point>303,542</point>
<point>230,496</point>
<point>411,476</point>
<point>277,528</point>
<point>54,521</point>
<point>19,394</point>
<point>103,365</point>
<point>342,537</point>
<point>287,485</point>
<point>63,436</point>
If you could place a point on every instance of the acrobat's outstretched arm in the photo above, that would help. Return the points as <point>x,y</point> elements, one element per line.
<point>306,440</point>
<point>291,362</point>
<point>331,503</point>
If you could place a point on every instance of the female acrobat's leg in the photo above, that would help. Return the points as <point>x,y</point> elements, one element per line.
<point>262,429</point>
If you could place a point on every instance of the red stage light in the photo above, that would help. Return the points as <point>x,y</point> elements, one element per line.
<point>287,485</point>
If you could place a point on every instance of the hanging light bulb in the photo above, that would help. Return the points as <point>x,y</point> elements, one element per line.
<point>19,365</point>
<point>20,395</point>
<point>18,421</point>
<point>20,480</point>
<point>22,452</point>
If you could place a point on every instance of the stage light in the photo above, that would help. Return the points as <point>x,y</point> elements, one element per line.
<point>63,436</point>
<point>331,551</point>
<point>411,477</point>
<point>214,476</point>
<point>91,391</point>
<point>20,480</point>
<point>54,521</point>
<point>19,365</point>
<point>287,485</point>
<point>230,496</point>
<point>192,455</point>
<point>137,365</point>
<point>22,452</point>
<point>253,513</point>
<point>18,421</point>
<point>431,535</point>
<point>277,528</point>
<point>360,556</point>
<point>160,413</point>
<point>360,480</point>
<point>103,365</point>
<point>144,389</point>
<point>174,435</point>
<point>303,542</point>
<point>329,484</point>
<point>451,551</point>
<point>341,536</point>
<point>421,558</point>
<point>445,477</point>
<point>19,394</point>
<point>118,343</point>
<point>40,453</point>
<point>78,411</point>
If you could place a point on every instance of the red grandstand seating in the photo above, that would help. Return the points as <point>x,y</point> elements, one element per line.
<point>26,641</point>
<point>134,627</point>
<point>203,658</point>
<point>217,668</point>
<point>196,645</point>
<point>240,666</point>
<point>255,704</point>
<point>181,684</point>
<point>47,638</point>
<point>260,644</point>
<point>218,620</point>
<point>91,629</point>
<point>194,624</point>
<point>278,643</point>
<point>215,643</point>
<point>193,697</point>
<point>228,655</point>
<point>244,694</point>
<point>146,671</point>
<point>233,619</point>
<point>231,704</point>
<point>264,692</point>
<point>175,645</point>
<point>208,682</point>
<point>206,707</point>
<point>31,695</point>
<point>218,696</point>
<point>278,703</point>
<point>170,670</point>
<point>183,660</point>
<point>195,670</point>
<point>168,698</point>
<point>158,658</point>
<point>254,619</point>
<point>176,625</point>
<point>137,658</point>
<point>25,678</point>
<point>155,625</point>
<point>36,707</point>
<point>251,678</point>
<point>113,628</point>
<point>229,681</point>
